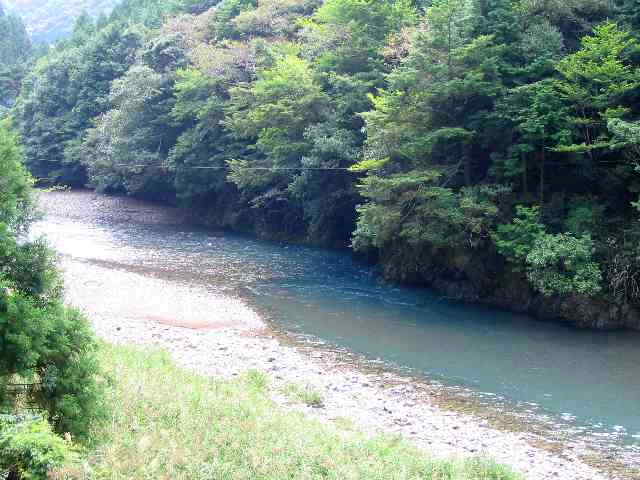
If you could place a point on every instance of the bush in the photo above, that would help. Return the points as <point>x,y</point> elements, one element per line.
<point>48,361</point>
<point>555,264</point>
<point>29,449</point>
<point>562,264</point>
<point>515,240</point>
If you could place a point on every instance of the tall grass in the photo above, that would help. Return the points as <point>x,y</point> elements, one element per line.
<point>168,423</point>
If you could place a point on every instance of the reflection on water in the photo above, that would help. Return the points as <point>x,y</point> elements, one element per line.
<point>587,377</point>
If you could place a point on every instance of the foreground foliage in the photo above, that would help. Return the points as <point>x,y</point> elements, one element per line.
<point>239,433</point>
<point>29,447</point>
<point>48,359</point>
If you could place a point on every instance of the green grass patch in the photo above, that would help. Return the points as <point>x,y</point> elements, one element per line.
<point>168,423</point>
<point>303,394</point>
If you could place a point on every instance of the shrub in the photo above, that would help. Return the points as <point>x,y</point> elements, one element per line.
<point>555,264</point>
<point>515,240</point>
<point>29,449</point>
<point>563,264</point>
<point>48,361</point>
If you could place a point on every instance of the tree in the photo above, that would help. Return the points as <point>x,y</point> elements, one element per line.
<point>413,209</point>
<point>277,108</point>
<point>15,44</point>
<point>47,351</point>
<point>539,118</point>
<point>629,12</point>
<point>594,81</point>
<point>16,205</point>
<point>63,94</point>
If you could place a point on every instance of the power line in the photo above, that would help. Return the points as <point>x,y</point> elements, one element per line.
<point>227,168</point>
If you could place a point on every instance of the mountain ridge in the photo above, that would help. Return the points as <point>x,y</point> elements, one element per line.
<point>54,19</point>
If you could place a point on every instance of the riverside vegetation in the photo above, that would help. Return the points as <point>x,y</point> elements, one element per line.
<point>488,144</point>
<point>73,408</point>
<point>240,433</point>
<point>49,376</point>
<point>487,148</point>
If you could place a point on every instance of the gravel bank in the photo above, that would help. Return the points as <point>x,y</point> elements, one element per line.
<point>155,312</point>
<point>222,336</point>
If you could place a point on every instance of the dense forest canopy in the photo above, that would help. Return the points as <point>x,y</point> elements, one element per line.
<point>462,138</point>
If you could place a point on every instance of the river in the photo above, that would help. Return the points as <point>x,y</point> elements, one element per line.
<point>584,380</point>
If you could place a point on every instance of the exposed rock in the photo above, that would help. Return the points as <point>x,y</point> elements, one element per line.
<point>485,278</point>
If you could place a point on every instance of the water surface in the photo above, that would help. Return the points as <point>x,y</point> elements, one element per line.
<point>587,378</point>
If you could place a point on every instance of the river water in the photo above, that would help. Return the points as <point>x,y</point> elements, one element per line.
<point>585,380</point>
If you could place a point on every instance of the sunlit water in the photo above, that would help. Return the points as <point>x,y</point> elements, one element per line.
<point>587,379</point>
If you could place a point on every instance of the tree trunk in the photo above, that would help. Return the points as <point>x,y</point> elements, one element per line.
<point>525,182</point>
<point>468,170</point>
<point>542,161</point>
<point>14,475</point>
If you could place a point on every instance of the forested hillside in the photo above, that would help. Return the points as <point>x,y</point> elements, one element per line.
<point>488,148</point>
<point>49,20</point>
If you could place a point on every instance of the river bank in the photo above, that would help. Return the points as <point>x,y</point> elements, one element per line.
<point>222,336</point>
<point>241,433</point>
<point>230,339</point>
<point>472,276</point>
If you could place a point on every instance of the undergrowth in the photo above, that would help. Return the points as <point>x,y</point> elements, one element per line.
<point>168,423</point>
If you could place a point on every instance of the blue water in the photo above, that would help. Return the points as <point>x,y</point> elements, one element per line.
<point>588,377</point>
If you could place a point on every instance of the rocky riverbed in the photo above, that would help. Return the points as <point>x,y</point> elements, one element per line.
<point>222,335</point>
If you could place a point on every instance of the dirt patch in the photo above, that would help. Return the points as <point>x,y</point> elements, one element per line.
<point>194,324</point>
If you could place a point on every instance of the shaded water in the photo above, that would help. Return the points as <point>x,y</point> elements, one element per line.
<point>588,378</point>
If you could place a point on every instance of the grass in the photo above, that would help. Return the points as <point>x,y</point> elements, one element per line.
<point>168,423</point>
<point>306,395</point>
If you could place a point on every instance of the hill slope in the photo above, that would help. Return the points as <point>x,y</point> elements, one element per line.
<point>49,20</point>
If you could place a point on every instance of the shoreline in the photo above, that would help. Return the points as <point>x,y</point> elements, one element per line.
<point>375,401</point>
<point>220,335</point>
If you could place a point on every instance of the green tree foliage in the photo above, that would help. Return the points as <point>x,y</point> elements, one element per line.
<point>127,149</point>
<point>15,183</point>
<point>47,351</point>
<point>64,92</point>
<point>15,44</point>
<point>391,124</point>
<point>538,119</point>
<point>555,264</point>
<point>414,209</point>
<point>629,12</point>
<point>275,110</point>
<point>563,264</point>
<point>29,449</point>
<point>516,239</point>
<point>595,81</point>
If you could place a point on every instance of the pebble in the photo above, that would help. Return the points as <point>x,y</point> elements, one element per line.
<point>122,305</point>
